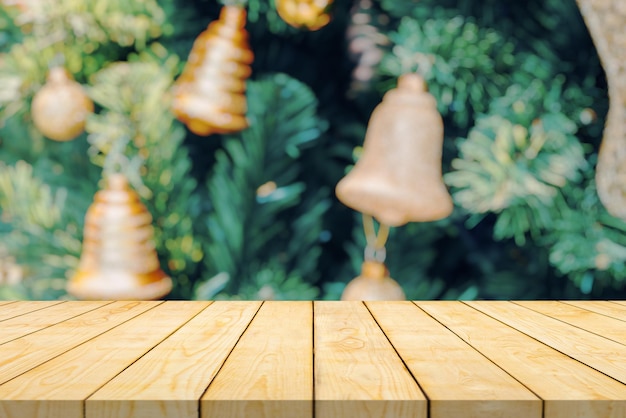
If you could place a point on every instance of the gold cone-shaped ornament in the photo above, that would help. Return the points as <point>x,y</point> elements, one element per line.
<point>209,96</point>
<point>118,260</point>
<point>374,283</point>
<point>398,177</point>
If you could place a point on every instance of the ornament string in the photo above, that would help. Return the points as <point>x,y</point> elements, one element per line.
<point>375,249</point>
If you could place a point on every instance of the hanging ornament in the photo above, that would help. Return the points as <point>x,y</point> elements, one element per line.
<point>60,108</point>
<point>605,20</point>
<point>396,180</point>
<point>305,14</point>
<point>398,177</point>
<point>209,96</point>
<point>118,260</point>
<point>374,282</point>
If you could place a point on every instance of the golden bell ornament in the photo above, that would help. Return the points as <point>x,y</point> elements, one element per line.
<point>374,283</point>
<point>209,96</point>
<point>118,261</point>
<point>59,110</point>
<point>398,178</point>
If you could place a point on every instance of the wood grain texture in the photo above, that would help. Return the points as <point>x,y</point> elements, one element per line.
<point>25,353</point>
<point>602,325</point>
<point>28,323</point>
<point>357,371</point>
<point>567,387</point>
<point>57,388</point>
<point>229,359</point>
<point>169,380</point>
<point>448,369</point>
<point>15,309</point>
<point>602,354</point>
<point>605,308</point>
<point>269,374</point>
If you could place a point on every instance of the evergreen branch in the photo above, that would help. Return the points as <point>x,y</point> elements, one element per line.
<point>255,185</point>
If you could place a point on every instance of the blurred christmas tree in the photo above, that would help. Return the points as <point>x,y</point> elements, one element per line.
<point>251,213</point>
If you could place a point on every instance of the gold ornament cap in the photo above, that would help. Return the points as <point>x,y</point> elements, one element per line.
<point>119,260</point>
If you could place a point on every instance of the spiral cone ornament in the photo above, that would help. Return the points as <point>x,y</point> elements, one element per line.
<point>305,14</point>
<point>118,261</point>
<point>606,21</point>
<point>209,96</point>
<point>59,110</point>
<point>398,177</point>
<point>373,283</point>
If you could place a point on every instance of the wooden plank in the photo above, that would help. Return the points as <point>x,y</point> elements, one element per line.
<point>602,354</point>
<point>619,302</point>
<point>269,373</point>
<point>170,379</point>
<point>15,309</point>
<point>568,387</point>
<point>19,326</point>
<point>602,307</point>
<point>6,302</point>
<point>604,326</point>
<point>357,371</point>
<point>22,354</point>
<point>457,379</point>
<point>57,388</point>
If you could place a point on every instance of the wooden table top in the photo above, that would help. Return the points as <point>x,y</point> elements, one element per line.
<point>321,359</point>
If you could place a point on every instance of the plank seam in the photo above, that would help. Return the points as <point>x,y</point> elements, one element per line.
<point>569,323</point>
<point>547,345</point>
<point>78,345</point>
<point>543,404</point>
<point>428,404</point>
<point>199,405</point>
<point>569,303</point>
<point>34,310</point>
<point>84,402</point>
<point>56,323</point>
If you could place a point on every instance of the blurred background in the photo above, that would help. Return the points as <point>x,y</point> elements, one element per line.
<point>253,214</point>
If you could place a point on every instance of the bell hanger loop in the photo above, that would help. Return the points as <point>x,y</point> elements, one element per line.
<point>375,250</point>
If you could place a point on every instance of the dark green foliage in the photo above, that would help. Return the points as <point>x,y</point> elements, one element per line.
<point>253,216</point>
<point>262,229</point>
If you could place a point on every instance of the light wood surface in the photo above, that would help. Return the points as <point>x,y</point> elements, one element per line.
<point>22,354</point>
<point>357,371</point>
<point>269,374</point>
<point>25,324</point>
<point>595,351</point>
<point>609,309</point>
<point>170,379</point>
<point>11,310</point>
<point>609,327</point>
<point>225,359</point>
<point>101,358</point>
<point>568,388</point>
<point>449,369</point>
